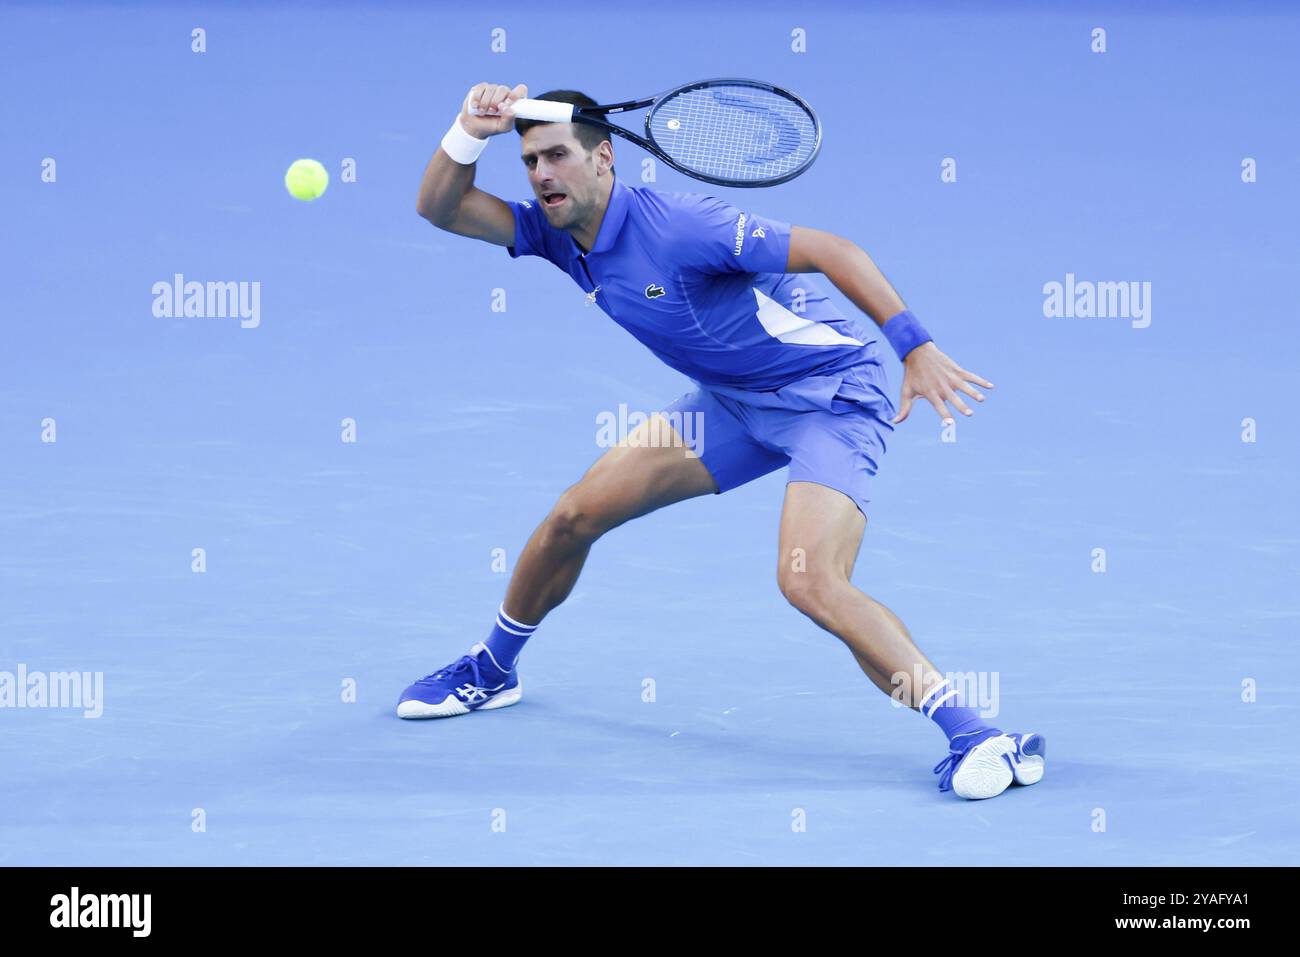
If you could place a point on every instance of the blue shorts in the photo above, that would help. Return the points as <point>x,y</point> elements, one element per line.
<point>829,429</point>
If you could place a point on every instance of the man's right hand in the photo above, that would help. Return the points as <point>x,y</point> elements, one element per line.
<point>493,101</point>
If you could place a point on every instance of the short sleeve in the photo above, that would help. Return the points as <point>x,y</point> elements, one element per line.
<point>530,231</point>
<point>718,237</point>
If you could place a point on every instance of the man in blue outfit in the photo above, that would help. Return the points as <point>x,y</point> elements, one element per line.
<point>784,379</point>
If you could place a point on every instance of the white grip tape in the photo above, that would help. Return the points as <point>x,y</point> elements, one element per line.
<point>543,110</point>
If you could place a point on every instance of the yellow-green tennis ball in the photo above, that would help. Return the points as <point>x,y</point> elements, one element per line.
<point>306,179</point>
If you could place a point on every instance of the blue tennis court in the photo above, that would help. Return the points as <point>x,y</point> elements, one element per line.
<point>246,533</point>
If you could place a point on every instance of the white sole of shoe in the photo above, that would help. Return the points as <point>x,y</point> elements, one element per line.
<point>985,773</point>
<point>451,706</point>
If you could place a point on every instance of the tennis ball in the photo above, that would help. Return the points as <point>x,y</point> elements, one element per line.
<point>306,179</point>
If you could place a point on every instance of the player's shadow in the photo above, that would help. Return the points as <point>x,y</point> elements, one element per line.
<point>716,760</point>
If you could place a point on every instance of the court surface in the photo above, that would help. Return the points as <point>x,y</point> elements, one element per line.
<point>333,564</point>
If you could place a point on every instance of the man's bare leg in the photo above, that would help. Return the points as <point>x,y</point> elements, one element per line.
<point>626,482</point>
<point>821,532</point>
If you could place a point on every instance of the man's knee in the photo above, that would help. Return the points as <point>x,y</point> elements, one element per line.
<point>809,591</point>
<point>577,518</point>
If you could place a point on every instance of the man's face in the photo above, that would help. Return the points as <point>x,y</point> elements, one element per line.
<point>562,174</point>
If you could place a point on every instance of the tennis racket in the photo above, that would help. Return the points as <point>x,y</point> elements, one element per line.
<point>730,132</point>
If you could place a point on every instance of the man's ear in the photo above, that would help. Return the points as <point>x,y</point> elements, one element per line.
<point>604,156</point>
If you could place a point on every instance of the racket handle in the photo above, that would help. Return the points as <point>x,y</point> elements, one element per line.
<point>543,110</point>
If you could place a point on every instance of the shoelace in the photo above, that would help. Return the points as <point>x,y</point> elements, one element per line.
<point>466,663</point>
<point>946,767</point>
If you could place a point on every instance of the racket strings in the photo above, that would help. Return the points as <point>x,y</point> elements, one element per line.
<point>734,132</point>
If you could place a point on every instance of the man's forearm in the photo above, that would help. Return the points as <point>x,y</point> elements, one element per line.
<point>854,273</point>
<point>444,185</point>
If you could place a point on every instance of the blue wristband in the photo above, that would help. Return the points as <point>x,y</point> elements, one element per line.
<point>905,333</point>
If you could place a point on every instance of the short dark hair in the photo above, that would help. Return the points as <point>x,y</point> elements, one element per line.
<point>589,135</point>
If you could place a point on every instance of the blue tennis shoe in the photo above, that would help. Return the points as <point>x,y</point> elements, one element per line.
<point>986,765</point>
<point>474,683</point>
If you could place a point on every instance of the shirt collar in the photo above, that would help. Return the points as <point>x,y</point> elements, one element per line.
<point>620,197</point>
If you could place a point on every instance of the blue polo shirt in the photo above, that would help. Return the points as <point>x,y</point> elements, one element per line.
<point>702,284</point>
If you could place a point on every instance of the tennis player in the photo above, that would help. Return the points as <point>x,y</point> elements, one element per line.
<point>783,379</point>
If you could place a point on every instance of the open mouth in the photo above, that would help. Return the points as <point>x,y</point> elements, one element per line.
<point>553,199</point>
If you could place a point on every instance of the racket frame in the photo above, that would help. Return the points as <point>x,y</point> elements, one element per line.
<point>593,115</point>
